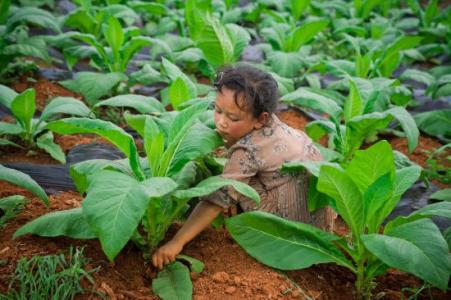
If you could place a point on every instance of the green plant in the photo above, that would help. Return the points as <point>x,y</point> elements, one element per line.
<point>151,191</point>
<point>437,163</point>
<point>364,193</point>
<point>10,207</point>
<point>31,131</point>
<point>49,277</point>
<point>15,44</point>
<point>361,118</point>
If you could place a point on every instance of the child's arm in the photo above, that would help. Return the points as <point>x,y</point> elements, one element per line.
<point>203,214</point>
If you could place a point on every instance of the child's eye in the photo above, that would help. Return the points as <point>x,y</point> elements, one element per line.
<point>233,119</point>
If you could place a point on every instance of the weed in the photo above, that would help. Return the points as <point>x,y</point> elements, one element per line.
<point>49,277</point>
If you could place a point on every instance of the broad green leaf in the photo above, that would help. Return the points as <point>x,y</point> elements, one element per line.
<point>195,14</point>
<point>404,179</point>
<point>304,34</point>
<point>9,128</point>
<point>136,122</point>
<point>70,223</point>
<point>419,76</point>
<point>348,199</point>
<point>114,36</point>
<point>153,145</point>
<point>374,199</point>
<point>298,7</point>
<point>5,142</point>
<point>157,9</point>
<point>33,46</point>
<point>32,15</point>
<point>173,283</point>
<point>143,104</point>
<point>81,171</point>
<point>240,39</point>
<point>214,183</point>
<point>195,265</point>
<point>444,195</point>
<point>93,86</point>
<point>173,72</point>
<point>215,43</point>
<point>353,105</point>
<point>81,20</point>
<point>417,247</point>
<point>317,129</point>
<point>116,135</point>
<point>284,244</point>
<point>115,204</point>
<point>23,107</point>
<point>198,141</point>
<point>178,92</point>
<point>304,97</point>
<point>392,55</point>
<point>130,48</point>
<point>285,64</point>
<point>408,125</point>
<point>370,164</point>
<point>45,142</point>
<point>436,122</point>
<point>23,180</point>
<point>7,95</point>
<point>360,127</point>
<point>65,105</point>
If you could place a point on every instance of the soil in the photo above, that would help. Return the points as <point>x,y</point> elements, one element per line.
<point>37,156</point>
<point>45,89</point>
<point>229,272</point>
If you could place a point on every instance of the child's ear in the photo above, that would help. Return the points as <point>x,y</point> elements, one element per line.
<point>262,119</point>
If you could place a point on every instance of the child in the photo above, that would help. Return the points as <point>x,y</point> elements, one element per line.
<point>259,143</point>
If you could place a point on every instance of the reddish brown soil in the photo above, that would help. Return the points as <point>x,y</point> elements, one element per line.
<point>229,272</point>
<point>45,89</point>
<point>421,152</point>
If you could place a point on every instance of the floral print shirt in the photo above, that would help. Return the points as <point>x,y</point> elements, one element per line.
<point>256,159</point>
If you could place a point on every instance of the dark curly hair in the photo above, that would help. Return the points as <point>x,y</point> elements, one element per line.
<point>258,87</point>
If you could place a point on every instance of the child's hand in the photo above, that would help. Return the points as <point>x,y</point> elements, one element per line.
<point>166,254</point>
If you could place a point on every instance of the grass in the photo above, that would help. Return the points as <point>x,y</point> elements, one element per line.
<point>49,277</point>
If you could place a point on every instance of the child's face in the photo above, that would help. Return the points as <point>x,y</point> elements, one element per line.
<point>232,123</point>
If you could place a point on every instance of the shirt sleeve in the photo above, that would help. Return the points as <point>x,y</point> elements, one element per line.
<point>241,166</point>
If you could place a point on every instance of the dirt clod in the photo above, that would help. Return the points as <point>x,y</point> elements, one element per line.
<point>221,277</point>
<point>230,290</point>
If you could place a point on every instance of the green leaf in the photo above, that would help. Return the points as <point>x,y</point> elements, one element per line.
<point>70,223</point>
<point>32,15</point>
<point>45,142</point>
<point>173,72</point>
<point>353,105</point>
<point>214,183</point>
<point>349,202</point>
<point>418,76</point>
<point>93,86</point>
<point>417,247</point>
<point>115,204</point>
<point>23,108</point>
<point>436,122</point>
<point>370,164</point>
<point>304,34</point>
<point>305,97</point>
<point>298,7</point>
<point>444,195</point>
<point>374,199</point>
<point>8,128</point>
<point>313,167</point>
<point>408,125</point>
<point>114,36</point>
<point>392,55</point>
<point>65,105</point>
<point>285,64</point>
<point>215,43</point>
<point>7,95</point>
<point>178,92</point>
<point>116,135</point>
<point>240,39</point>
<point>33,46</point>
<point>23,180</point>
<point>4,10</point>
<point>195,265</point>
<point>5,142</point>
<point>81,171</point>
<point>405,178</point>
<point>284,244</point>
<point>173,283</point>
<point>442,209</point>
<point>143,104</point>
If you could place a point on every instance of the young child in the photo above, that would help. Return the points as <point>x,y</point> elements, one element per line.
<point>259,143</point>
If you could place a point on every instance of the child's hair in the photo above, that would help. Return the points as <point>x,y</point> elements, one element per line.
<point>258,87</point>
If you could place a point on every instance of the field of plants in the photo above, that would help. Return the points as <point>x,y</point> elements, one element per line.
<point>107,140</point>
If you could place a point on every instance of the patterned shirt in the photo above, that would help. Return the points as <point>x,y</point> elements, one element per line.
<point>256,160</point>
